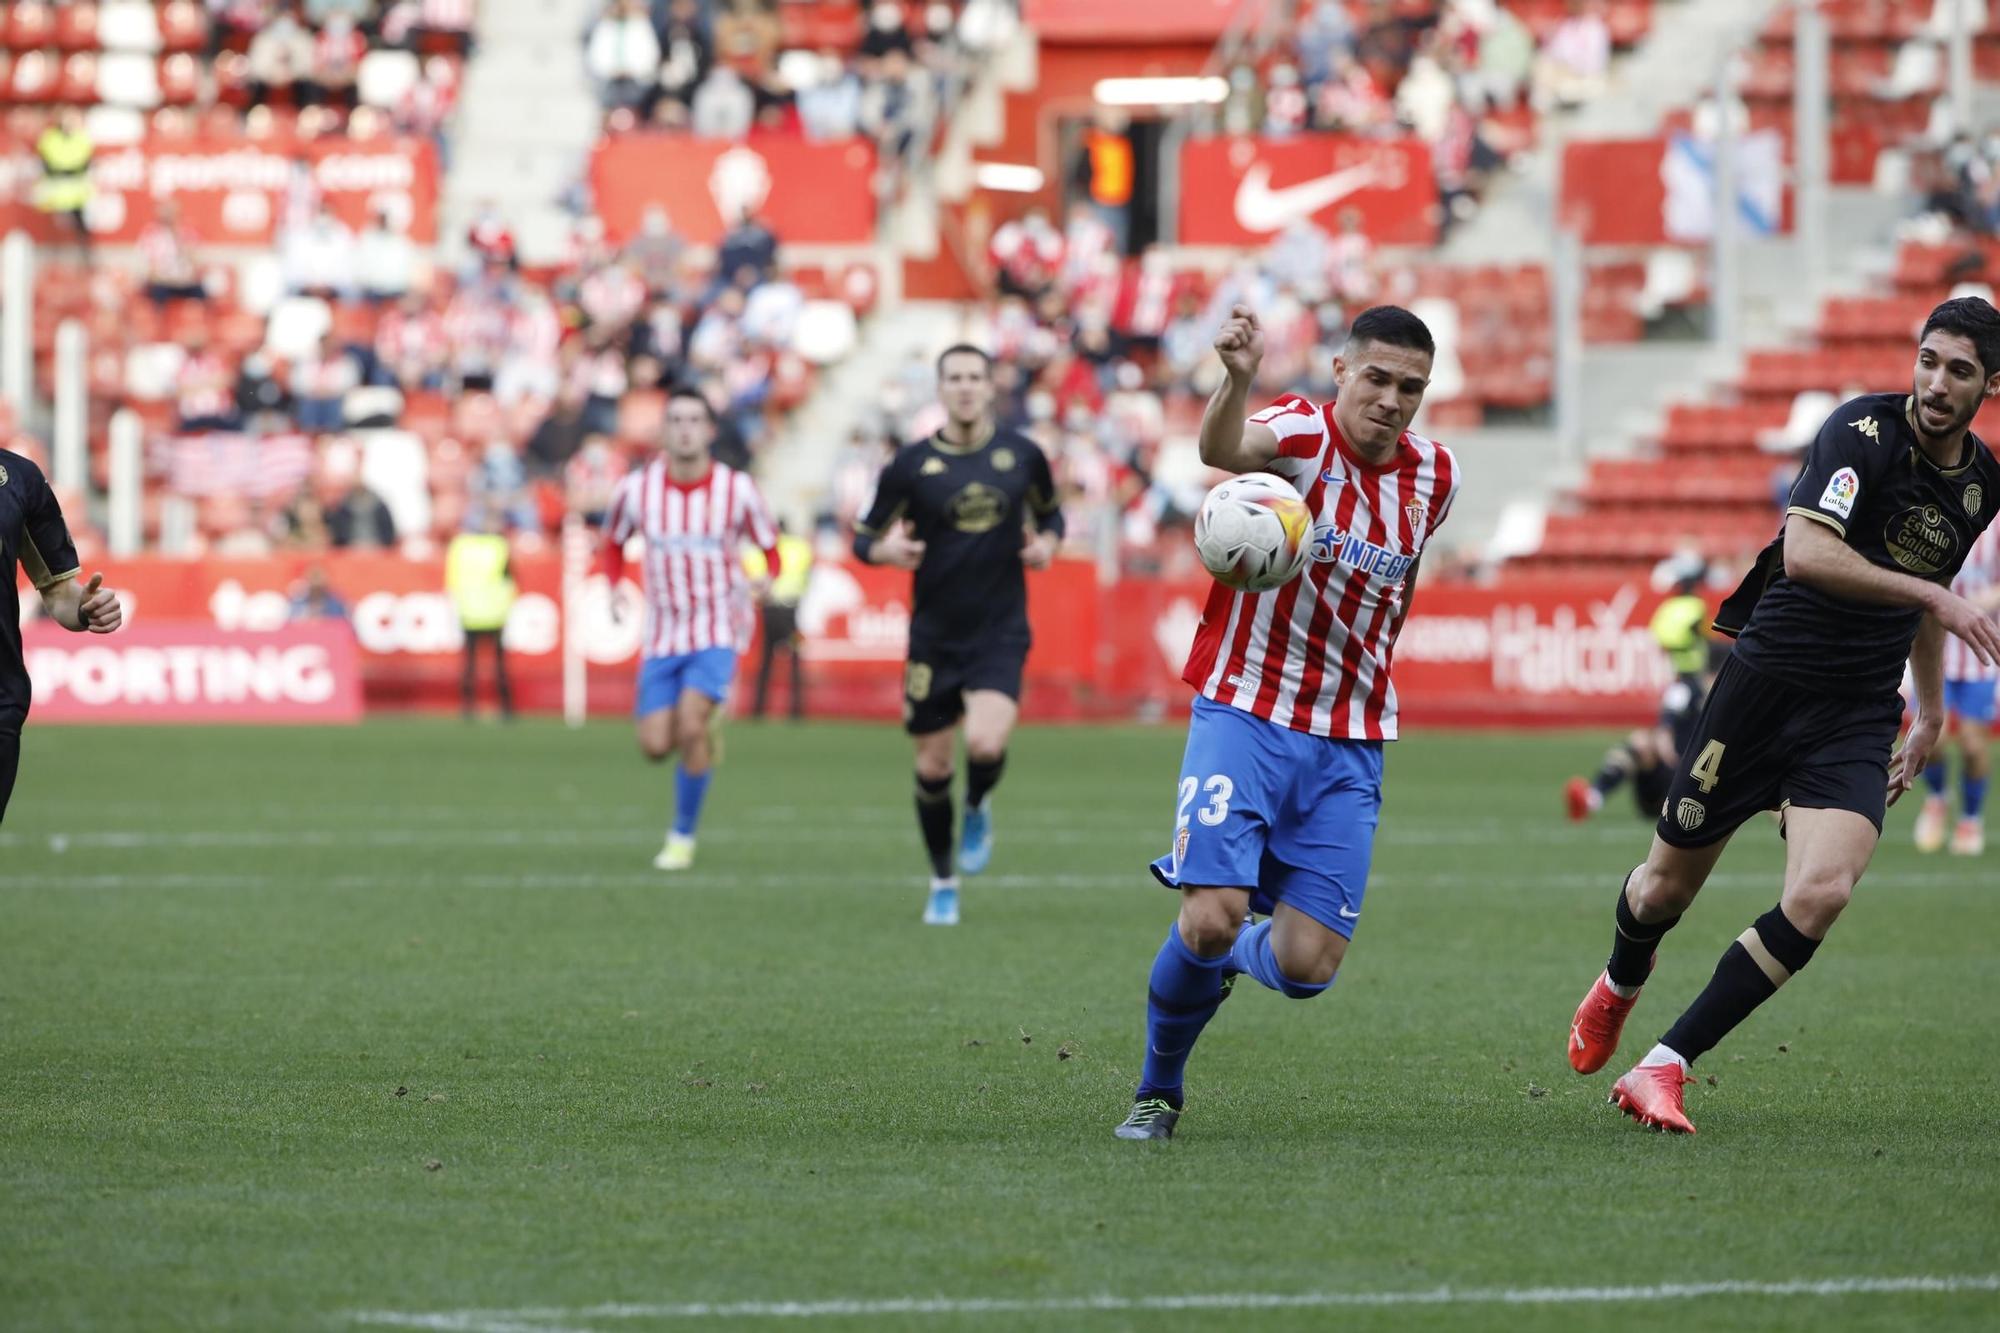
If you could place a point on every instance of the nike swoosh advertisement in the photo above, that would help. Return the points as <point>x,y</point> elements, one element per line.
<point>1245,190</point>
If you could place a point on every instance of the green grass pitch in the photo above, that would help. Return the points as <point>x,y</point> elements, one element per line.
<point>299,1025</point>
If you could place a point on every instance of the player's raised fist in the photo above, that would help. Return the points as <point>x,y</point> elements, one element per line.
<point>99,611</point>
<point>1240,342</point>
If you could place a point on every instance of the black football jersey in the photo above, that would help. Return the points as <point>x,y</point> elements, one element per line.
<point>32,537</point>
<point>1867,478</point>
<point>970,506</point>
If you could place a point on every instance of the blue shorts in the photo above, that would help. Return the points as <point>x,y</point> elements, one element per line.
<point>662,680</point>
<point>1970,699</point>
<point>1287,815</point>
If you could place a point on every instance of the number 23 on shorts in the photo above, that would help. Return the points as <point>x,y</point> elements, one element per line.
<point>1707,770</point>
<point>1219,788</point>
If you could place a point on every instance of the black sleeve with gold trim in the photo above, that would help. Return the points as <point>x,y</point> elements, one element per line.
<point>47,552</point>
<point>1043,501</point>
<point>890,505</point>
<point>32,534</point>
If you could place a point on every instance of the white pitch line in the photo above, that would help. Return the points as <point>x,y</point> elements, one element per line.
<point>562,1321</point>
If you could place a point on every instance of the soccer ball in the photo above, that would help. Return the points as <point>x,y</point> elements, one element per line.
<point>1253,532</point>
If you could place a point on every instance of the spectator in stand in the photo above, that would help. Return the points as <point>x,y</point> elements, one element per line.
<point>655,252</point>
<point>723,106</point>
<point>262,402</point>
<point>1351,271</point>
<point>1027,253</point>
<point>897,106</point>
<point>1428,92</point>
<point>611,296</point>
<point>385,260</point>
<point>168,255</point>
<point>206,401</point>
<point>749,245</point>
<point>321,382</point>
<point>410,345</point>
<point>1104,172</point>
<point>557,437</point>
<point>590,478</point>
<point>1506,59</point>
<point>497,490</point>
<point>1575,59</point>
<point>529,366</point>
<point>623,56</point>
<point>317,256</point>
<point>686,52</point>
<point>830,106</point>
<point>747,34</point>
<point>1286,103</point>
<point>337,56</point>
<point>1352,100</point>
<point>280,61</point>
<point>490,239</point>
<point>886,32</point>
<point>313,598</point>
<point>336,510</point>
<point>1324,32</point>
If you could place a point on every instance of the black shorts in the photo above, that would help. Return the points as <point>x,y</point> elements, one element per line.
<point>1763,744</point>
<point>10,761</point>
<point>940,671</point>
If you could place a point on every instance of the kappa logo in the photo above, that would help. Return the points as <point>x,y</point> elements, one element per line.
<point>1867,426</point>
<point>1841,489</point>
<point>1974,496</point>
<point>1690,814</point>
<point>933,467</point>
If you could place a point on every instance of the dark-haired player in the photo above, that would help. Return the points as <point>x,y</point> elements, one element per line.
<point>957,509</point>
<point>34,537</point>
<point>1281,784</point>
<point>694,515</point>
<point>1803,716</point>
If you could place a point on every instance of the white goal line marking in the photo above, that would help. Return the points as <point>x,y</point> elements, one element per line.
<point>564,1321</point>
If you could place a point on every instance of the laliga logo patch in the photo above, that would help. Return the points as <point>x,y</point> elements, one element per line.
<point>1690,814</point>
<point>1841,489</point>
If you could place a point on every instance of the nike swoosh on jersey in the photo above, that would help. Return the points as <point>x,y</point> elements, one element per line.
<point>1259,208</point>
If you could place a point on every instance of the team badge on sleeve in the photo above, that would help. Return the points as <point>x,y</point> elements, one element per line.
<point>1841,489</point>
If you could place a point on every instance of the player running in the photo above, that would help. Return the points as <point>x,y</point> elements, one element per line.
<point>955,510</point>
<point>695,514</point>
<point>1968,701</point>
<point>34,536</point>
<point>1648,755</point>
<point>1281,784</point>
<point>1804,714</point>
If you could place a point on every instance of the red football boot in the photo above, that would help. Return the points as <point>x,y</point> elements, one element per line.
<point>1577,800</point>
<point>1651,1095</point>
<point>1600,1019</point>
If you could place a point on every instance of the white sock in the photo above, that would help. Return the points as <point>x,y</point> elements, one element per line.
<point>949,883</point>
<point>1622,992</point>
<point>1662,1055</point>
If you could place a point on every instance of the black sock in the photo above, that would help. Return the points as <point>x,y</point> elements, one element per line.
<point>934,818</point>
<point>1762,959</point>
<point>980,779</point>
<point>1634,942</point>
<point>1618,765</point>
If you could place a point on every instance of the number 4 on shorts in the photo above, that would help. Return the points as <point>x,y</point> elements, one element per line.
<point>1707,770</point>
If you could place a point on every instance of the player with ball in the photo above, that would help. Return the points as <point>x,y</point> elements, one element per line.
<point>1314,546</point>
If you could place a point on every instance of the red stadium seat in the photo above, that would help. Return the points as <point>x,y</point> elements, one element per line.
<point>183,26</point>
<point>180,80</point>
<point>79,80</point>
<point>30,24</point>
<point>76,26</point>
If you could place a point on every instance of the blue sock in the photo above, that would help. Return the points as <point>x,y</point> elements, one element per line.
<point>1252,954</point>
<point>1181,996</point>
<point>1934,777</point>
<point>1974,792</point>
<point>690,789</point>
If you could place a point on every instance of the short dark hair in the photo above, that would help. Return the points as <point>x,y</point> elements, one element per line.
<point>1973,319</point>
<point>964,349</point>
<point>1393,325</point>
<point>693,394</point>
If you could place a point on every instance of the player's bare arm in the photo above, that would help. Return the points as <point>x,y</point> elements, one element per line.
<point>1927,671</point>
<point>1227,441</point>
<point>92,606</point>
<point>1815,555</point>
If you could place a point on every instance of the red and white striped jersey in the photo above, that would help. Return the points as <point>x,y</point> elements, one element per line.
<point>1980,572</point>
<point>1314,654</point>
<point>697,595</point>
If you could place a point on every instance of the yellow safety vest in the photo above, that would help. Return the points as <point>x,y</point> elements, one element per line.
<point>477,576</point>
<point>64,186</point>
<point>1678,626</point>
<point>795,556</point>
